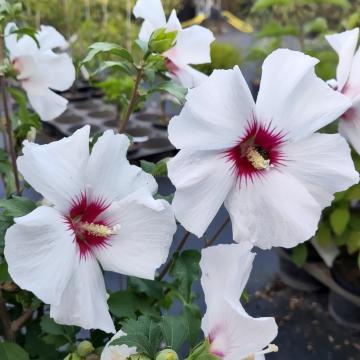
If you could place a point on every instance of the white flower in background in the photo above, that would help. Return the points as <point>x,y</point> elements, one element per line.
<point>192,44</point>
<point>40,70</point>
<point>264,160</point>
<point>117,352</point>
<point>348,82</point>
<point>103,213</point>
<point>231,332</point>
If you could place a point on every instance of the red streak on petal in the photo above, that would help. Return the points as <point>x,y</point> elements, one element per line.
<point>173,69</point>
<point>264,137</point>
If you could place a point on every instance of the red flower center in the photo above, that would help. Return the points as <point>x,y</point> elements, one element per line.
<point>257,151</point>
<point>173,69</point>
<point>89,230</point>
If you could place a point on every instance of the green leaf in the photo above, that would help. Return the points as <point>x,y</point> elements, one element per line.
<point>353,244</point>
<point>143,333</point>
<point>162,40</point>
<point>274,28</point>
<point>174,331</point>
<point>142,45</point>
<point>49,326</point>
<point>299,255</point>
<point>12,351</point>
<point>4,274</point>
<point>339,220</point>
<point>152,288</point>
<point>186,270</point>
<point>126,304</point>
<point>124,67</point>
<point>109,48</point>
<point>28,32</point>
<point>266,4</point>
<point>17,206</point>
<point>5,223</point>
<point>192,316</point>
<point>157,170</point>
<point>147,166</point>
<point>353,193</point>
<point>171,88</point>
<point>323,235</point>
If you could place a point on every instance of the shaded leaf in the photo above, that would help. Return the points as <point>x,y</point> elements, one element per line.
<point>299,255</point>
<point>12,351</point>
<point>174,331</point>
<point>339,220</point>
<point>17,206</point>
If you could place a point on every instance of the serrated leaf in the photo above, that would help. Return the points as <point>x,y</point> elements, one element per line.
<point>143,333</point>
<point>339,220</point>
<point>152,288</point>
<point>299,255</point>
<point>12,351</point>
<point>17,206</point>
<point>174,331</point>
<point>192,316</point>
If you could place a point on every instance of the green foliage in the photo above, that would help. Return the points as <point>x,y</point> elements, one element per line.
<point>162,40</point>
<point>339,219</point>
<point>172,88</point>
<point>261,5</point>
<point>157,170</point>
<point>17,206</point>
<point>11,351</point>
<point>174,331</point>
<point>274,28</point>
<point>299,255</point>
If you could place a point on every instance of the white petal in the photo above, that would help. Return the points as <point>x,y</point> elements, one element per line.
<point>49,38</point>
<point>189,77</point>
<point>225,271</point>
<point>56,170</point>
<point>41,253</point>
<point>344,44</point>
<point>64,76</point>
<point>173,24</point>
<point>142,243</point>
<point>202,180</point>
<point>26,45</point>
<point>350,127</point>
<point>117,352</point>
<point>118,178</point>
<point>84,301</point>
<point>215,114</point>
<point>293,98</point>
<point>323,164</point>
<point>276,210</point>
<point>151,11</point>
<point>48,105</point>
<point>192,46</point>
<point>232,332</point>
<point>146,30</point>
<point>352,86</point>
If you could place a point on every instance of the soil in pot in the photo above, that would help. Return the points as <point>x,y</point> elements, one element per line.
<point>148,117</point>
<point>69,119</point>
<point>346,274</point>
<point>157,143</point>
<point>101,114</point>
<point>297,278</point>
<point>86,105</point>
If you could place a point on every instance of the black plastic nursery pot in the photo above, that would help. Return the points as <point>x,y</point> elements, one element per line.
<point>346,274</point>
<point>296,277</point>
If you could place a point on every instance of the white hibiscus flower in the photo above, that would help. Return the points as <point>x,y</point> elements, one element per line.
<point>348,82</point>
<point>263,160</point>
<point>103,213</point>
<point>231,332</point>
<point>117,352</point>
<point>192,44</point>
<point>40,70</point>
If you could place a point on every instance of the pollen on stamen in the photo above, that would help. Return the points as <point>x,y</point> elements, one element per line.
<point>259,150</point>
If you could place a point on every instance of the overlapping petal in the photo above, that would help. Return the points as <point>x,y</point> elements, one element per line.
<point>215,114</point>
<point>202,179</point>
<point>57,170</point>
<point>146,230</point>
<point>118,352</point>
<point>344,44</point>
<point>84,300</point>
<point>32,248</point>
<point>293,98</point>
<point>232,333</point>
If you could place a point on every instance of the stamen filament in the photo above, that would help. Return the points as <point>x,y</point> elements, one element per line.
<point>99,230</point>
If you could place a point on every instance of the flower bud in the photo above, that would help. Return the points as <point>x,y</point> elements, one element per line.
<point>85,348</point>
<point>73,356</point>
<point>167,354</point>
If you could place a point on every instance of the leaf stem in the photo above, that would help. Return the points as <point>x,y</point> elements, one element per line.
<point>133,100</point>
<point>178,249</point>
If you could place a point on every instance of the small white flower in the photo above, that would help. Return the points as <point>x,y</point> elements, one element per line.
<point>103,213</point>
<point>117,352</point>
<point>192,44</point>
<point>40,70</point>
<point>348,82</point>
<point>263,160</point>
<point>231,332</point>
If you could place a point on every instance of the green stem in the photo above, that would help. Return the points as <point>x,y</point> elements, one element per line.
<point>133,100</point>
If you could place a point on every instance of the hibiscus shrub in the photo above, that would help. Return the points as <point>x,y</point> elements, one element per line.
<point>97,213</point>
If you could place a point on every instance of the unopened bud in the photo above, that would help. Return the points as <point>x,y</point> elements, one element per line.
<point>85,348</point>
<point>167,354</point>
<point>73,356</point>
